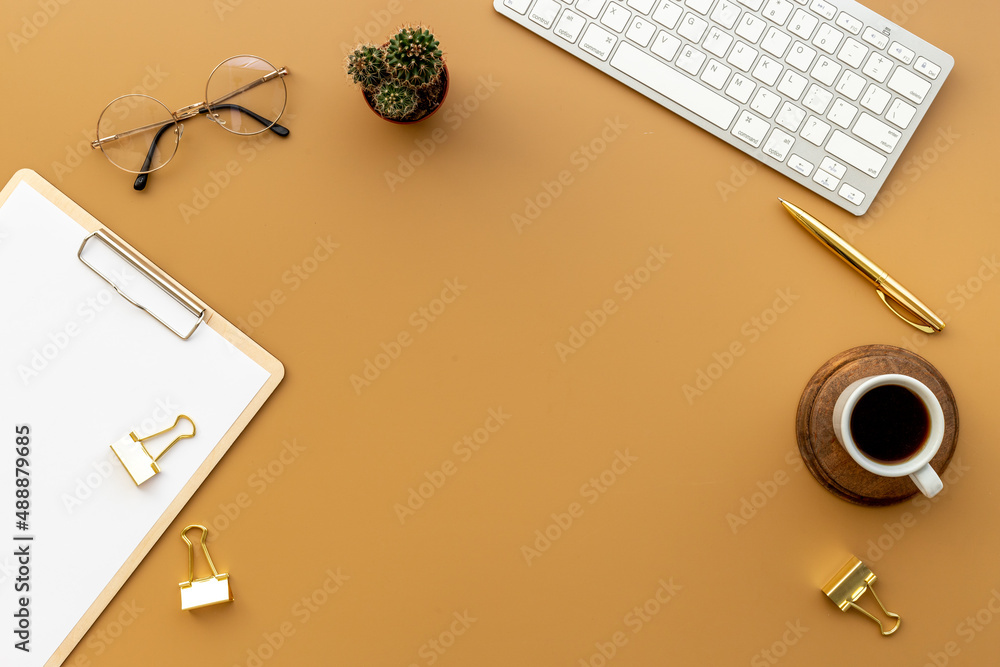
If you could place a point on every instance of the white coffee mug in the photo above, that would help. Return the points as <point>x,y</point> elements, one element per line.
<point>916,466</point>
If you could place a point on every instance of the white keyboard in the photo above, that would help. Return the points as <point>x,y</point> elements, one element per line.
<point>827,92</point>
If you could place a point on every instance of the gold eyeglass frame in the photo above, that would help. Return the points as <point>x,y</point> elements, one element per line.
<point>193,110</point>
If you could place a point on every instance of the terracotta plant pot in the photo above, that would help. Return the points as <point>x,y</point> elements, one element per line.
<point>439,103</point>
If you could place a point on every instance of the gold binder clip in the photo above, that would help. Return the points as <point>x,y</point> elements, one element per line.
<point>207,591</point>
<point>137,461</point>
<point>849,584</point>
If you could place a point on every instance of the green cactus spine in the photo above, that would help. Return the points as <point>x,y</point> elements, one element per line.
<point>413,56</point>
<point>395,101</point>
<point>366,66</point>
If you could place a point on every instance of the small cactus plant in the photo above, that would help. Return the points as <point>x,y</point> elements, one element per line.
<point>394,100</point>
<point>403,80</point>
<point>366,66</point>
<point>413,56</point>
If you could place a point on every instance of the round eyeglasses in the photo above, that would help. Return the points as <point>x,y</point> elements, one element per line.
<point>245,95</point>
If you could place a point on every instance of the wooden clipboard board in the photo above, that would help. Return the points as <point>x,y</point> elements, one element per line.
<point>211,319</point>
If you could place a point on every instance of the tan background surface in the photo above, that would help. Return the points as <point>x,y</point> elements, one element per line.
<point>327,504</point>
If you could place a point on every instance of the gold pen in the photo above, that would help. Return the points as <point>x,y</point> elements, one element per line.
<point>885,286</point>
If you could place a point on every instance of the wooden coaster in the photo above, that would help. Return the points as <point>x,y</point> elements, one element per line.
<point>827,460</point>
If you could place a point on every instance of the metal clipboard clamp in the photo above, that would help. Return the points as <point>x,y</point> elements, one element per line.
<point>157,277</point>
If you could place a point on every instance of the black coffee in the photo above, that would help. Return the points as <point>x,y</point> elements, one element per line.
<point>890,423</point>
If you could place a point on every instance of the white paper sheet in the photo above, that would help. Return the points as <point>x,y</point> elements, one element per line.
<point>81,367</point>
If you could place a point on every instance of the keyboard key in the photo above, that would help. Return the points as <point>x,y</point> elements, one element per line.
<point>800,57</point>
<point>667,14</point>
<point>740,88</point>
<point>693,28</point>
<point>641,31</point>
<point>598,42</point>
<point>800,164</point>
<point>826,71</point>
<point>803,24</point>
<point>828,181</point>
<point>815,130</point>
<point>900,114</point>
<point>726,13</point>
<point>824,9</point>
<point>767,71</point>
<point>792,85</point>
<point>776,42</point>
<point>849,23</point>
<point>877,133</point>
<point>641,6</point>
<point>778,145</point>
<point>750,28</point>
<point>927,68</point>
<point>852,194</point>
<point>691,59</point>
<point>519,6</point>
<point>742,56</point>
<point>909,85</point>
<point>673,85</point>
<point>666,45</point>
<point>570,26</point>
<point>765,102</point>
<point>544,13</point>
<point>752,4</point>
<point>590,7</point>
<point>718,42</point>
<point>842,113</point>
<point>878,67</point>
<point>700,6</point>
<point>828,38</point>
<point>875,38</point>
<point>831,166</point>
<point>790,116</point>
<point>851,85</point>
<point>876,99</point>
<point>777,11</point>
<point>901,53</point>
<point>853,52</point>
<point>817,99</point>
<point>615,17</point>
<point>716,74</point>
<point>855,153</point>
<point>751,129</point>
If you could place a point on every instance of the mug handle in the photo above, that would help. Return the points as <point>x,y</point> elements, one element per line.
<point>927,481</point>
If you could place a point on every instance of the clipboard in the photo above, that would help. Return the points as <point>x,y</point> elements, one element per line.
<point>142,333</point>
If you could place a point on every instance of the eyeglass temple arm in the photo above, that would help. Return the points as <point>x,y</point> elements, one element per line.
<point>142,179</point>
<point>253,84</point>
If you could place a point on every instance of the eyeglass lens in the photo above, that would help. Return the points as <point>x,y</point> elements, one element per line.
<point>239,97</point>
<point>138,121</point>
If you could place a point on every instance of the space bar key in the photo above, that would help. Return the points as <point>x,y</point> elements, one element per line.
<point>670,83</point>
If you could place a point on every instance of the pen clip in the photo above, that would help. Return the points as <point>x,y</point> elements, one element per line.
<point>926,328</point>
